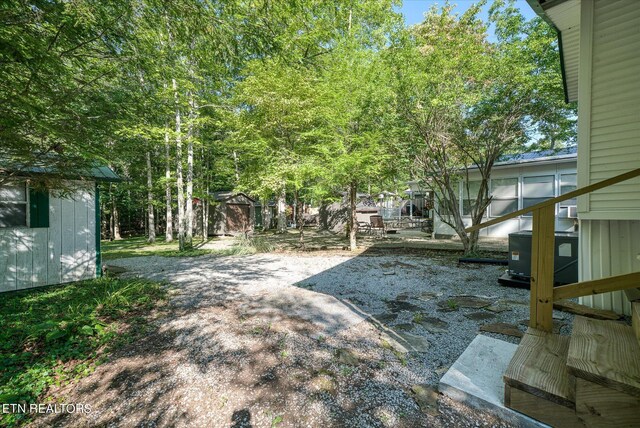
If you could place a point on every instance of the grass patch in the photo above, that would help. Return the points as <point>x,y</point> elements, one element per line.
<point>138,247</point>
<point>53,335</point>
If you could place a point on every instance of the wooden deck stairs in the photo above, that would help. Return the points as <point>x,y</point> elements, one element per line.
<point>592,378</point>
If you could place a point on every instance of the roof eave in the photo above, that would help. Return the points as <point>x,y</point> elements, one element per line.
<point>540,11</point>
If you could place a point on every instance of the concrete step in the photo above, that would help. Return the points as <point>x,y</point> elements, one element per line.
<point>476,379</point>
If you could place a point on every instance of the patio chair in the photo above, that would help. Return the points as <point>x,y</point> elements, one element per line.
<point>363,227</point>
<point>377,224</point>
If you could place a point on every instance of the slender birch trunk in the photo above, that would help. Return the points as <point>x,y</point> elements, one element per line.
<point>282,211</point>
<point>235,165</point>
<point>115,218</point>
<point>300,219</point>
<point>179,180</point>
<point>151,219</point>
<point>266,215</point>
<point>352,216</point>
<point>167,176</point>
<point>189,203</point>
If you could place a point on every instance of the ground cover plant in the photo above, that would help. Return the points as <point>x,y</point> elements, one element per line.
<point>52,336</point>
<point>139,247</point>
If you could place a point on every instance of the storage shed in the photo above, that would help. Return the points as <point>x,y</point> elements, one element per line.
<point>231,214</point>
<point>47,236</point>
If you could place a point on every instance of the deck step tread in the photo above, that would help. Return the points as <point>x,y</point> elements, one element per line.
<point>578,309</point>
<point>606,353</point>
<point>539,367</point>
<point>633,294</point>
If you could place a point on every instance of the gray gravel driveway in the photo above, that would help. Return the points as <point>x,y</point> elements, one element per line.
<point>301,340</point>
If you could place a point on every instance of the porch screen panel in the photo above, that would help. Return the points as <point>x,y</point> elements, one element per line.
<point>504,193</point>
<point>469,197</point>
<point>537,189</point>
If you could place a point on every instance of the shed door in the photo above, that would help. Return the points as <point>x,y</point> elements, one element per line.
<point>237,218</point>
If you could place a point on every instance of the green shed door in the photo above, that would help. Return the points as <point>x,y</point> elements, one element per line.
<point>38,208</point>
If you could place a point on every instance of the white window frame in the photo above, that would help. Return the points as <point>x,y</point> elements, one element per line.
<point>26,202</point>
<point>517,198</point>
<point>522,195</point>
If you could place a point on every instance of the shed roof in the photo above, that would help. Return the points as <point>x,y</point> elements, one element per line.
<point>224,195</point>
<point>97,172</point>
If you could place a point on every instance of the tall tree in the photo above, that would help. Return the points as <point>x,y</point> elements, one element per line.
<point>468,101</point>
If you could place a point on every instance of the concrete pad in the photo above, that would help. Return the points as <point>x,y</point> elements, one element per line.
<point>476,379</point>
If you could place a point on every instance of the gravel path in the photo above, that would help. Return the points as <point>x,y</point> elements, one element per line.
<point>289,340</point>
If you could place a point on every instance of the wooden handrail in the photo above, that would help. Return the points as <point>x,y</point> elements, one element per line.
<point>575,193</point>
<point>597,286</point>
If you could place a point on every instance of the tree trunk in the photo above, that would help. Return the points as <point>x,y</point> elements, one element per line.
<point>189,203</point>
<point>205,214</point>
<point>180,184</point>
<point>167,177</point>
<point>353,220</point>
<point>299,219</point>
<point>115,219</point>
<point>151,219</point>
<point>266,215</point>
<point>282,211</point>
<point>235,166</point>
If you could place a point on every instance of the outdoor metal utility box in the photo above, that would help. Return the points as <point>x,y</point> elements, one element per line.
<point>565,261</point>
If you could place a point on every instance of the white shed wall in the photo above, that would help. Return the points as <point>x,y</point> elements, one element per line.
<point>63,252</point>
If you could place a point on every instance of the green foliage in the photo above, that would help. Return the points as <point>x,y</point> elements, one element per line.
<point>51,336</point>
<point>465,100</point>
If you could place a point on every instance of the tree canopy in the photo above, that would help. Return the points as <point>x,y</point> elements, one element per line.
<point>297,101</point>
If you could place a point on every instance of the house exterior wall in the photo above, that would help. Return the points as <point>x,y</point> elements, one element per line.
<point>609,112</point>
<point>63,252</point>
<point>520,171</point>
<point>609,143</point>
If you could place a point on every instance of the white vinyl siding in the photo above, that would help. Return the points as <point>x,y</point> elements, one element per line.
<point>608,248</point>
<point>63,252</point>
<point>613,138</point>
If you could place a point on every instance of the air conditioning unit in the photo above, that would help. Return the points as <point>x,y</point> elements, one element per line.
<point>572,211</point>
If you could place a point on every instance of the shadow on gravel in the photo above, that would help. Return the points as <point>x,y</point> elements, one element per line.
<point>231,353</point>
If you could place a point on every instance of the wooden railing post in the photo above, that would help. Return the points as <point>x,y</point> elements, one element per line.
<point>542,257</point>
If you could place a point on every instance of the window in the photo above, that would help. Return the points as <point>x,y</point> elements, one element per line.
<point>443,206</point>
<point>536,190</point>
<point>504,192</point>
<point>13,205</point>
<point>469,199</point>
<point>568,183</point>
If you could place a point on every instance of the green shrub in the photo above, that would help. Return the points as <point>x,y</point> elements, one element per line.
<point>52,335</point>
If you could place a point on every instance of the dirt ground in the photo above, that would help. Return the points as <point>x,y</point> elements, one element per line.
<point>277,340</point>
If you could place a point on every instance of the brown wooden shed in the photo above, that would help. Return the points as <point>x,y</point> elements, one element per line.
<point>231,214</point>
